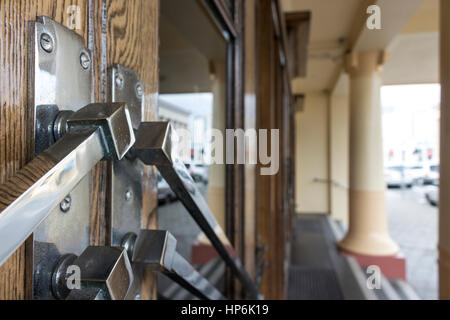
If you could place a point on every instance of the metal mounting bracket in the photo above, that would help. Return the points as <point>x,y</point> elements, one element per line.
<point>60,80</point>
<point>126,175</point>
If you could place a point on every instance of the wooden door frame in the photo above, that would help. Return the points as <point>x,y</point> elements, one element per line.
<point>231,24</point>
<point>109,39</point>
<point>274,107</point>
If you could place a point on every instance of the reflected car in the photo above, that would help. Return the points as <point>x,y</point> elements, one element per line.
<point>165,193</point>
<point>417,173</point>
<point>199,172</point>
<point>431,174</point>
<point>398,176</point>
<point>432,194</point>
<point>188,181</point>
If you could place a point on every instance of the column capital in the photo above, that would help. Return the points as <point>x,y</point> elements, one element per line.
<point>364,63</point>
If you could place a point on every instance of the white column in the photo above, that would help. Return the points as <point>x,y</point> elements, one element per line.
<point>368,229</point>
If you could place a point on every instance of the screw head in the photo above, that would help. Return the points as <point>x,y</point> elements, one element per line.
<point>65,205</point>
<point>128,195</point>
<point>47,43</point>
<point>85,60</point>
<point>139,90</point>
<point>119,80</point>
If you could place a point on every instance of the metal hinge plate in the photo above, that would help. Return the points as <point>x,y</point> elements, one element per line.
<point>60,80</point>
<point>127,174</point>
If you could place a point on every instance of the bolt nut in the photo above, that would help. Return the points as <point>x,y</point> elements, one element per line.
<point>59,277</point>
<point>60,124</point>
<point>47,43</point>
<point>85,60</point>
<point>65,205</point>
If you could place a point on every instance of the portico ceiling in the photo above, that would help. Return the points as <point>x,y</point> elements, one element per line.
<point>331,24</point>
<point>409,35</point>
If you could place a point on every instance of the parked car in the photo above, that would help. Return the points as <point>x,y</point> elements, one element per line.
<point>165,193</point>
<point>417,173</point>
<point>199,172</point>
<point>432,194</point>
<point>187,179</point>
<point>431,174</point>
<point>398,176</point>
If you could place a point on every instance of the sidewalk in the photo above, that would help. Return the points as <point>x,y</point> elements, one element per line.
<point>413,224</point>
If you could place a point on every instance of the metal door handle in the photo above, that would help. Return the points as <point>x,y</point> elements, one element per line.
<point>157,250</point>
<point>95,132</point>
<point>154,147</point>
<point>105,272</point>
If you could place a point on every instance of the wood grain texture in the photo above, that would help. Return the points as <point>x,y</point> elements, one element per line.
<point>14,272</point>
<point>250,123</point>
<point>116,31</point>
<point>97,43</point>
<point>264,120</point>
<point>274,103</point>
<point>15,137</point>
<point>237,232</point>
<point>133,41</point>
<point>24,179</point>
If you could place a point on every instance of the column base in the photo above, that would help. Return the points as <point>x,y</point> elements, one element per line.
<point>361,243</point>
<point>393,267</point>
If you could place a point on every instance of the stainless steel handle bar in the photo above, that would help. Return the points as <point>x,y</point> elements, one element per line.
<point>96,132</point>
<point>154,147</point>
<point>157,250</point>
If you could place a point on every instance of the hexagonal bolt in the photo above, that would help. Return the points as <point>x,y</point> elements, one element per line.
<point>47,43</point>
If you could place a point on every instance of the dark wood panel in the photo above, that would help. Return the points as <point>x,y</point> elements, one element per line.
<point>15,136</point>
<point>298,30</point>
<point>97,43</point>
<point>264,107</point>
<point>118,31</point>
<point>274,193</point>
<point>250,123</point>
<point>133,40</point>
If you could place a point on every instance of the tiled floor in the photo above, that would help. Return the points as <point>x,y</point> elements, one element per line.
<point>413,224</point>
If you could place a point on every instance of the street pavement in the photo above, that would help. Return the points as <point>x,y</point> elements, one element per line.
<point>413,224</point>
